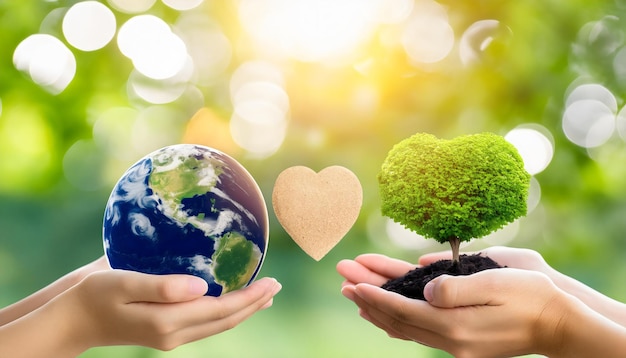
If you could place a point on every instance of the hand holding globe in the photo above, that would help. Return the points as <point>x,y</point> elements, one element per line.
<point>188,209</point>
<point>180,212</point>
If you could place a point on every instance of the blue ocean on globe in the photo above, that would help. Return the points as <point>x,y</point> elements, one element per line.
<point>188,209</point>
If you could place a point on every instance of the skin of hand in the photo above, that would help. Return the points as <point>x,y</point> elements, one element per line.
<point>526,259</point>
<point>116,307</point>
<point>494,313</point>
<point>41,297</point>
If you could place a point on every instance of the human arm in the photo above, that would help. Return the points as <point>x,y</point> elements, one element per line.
<point>527,259</point>
<point>494,313</point>
<point>117,307</point>
<point>41,297</point>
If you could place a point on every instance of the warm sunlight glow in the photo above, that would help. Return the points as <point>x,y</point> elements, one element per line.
<point>309,30</point>
<point>208,128</point>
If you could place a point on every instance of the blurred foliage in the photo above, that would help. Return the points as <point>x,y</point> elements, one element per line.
<point>340,114</point>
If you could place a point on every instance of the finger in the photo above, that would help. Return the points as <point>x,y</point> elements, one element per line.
<point>261,290</point>
<point>231,316</point>
<point>267,304</point>
<point>370,318</point>
<point>414,333</point>
<point>525,259</point>
<point>209,309</point>
<point>482,288</point>
<point>497,252</point>
<point>503,255</point>
<point>140,287</point>
<point>385,266</point>
<point>384,313</point>
<point>348,292</point>
<point>355,272</point>
<point>206,310</point>
<point>430,258</point>
<point>399,311</point>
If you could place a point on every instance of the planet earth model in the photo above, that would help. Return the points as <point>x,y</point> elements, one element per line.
<point>188,209</point>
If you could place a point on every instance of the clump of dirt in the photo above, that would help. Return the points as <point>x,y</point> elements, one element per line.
<point>412,284</point>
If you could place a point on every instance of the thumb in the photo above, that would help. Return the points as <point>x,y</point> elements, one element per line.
<point>458,291</point>
<point>432,257</point>
<point>141,287</point>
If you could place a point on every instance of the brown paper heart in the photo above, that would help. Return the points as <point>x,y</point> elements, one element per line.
<point>317,209</point>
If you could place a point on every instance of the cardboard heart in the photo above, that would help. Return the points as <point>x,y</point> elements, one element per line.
<point>317,209</point>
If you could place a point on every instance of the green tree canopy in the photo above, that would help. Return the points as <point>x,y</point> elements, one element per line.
<point>461,189</point>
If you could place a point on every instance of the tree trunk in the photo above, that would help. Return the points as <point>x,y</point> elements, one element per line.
<point>455,244</point>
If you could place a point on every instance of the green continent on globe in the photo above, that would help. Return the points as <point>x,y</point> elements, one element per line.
<point>181,176</point>
<point>235,261</point>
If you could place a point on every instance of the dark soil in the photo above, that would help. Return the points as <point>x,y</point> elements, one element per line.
<point>412,284</point>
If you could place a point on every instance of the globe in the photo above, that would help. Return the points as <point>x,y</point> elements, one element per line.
<point>188,209</point>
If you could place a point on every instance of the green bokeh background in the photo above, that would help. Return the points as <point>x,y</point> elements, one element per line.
<point>49,227</point>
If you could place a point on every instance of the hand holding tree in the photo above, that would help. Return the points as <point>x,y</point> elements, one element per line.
<point>493,313</point>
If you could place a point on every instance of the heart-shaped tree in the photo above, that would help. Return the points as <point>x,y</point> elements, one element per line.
<point>453,190</point>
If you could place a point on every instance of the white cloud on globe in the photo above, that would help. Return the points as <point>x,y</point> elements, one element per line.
<point>218,227</point>
<point>141,226</point>
<point>134,190</point>
<point>200,263</point>
<point>240,207</point>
